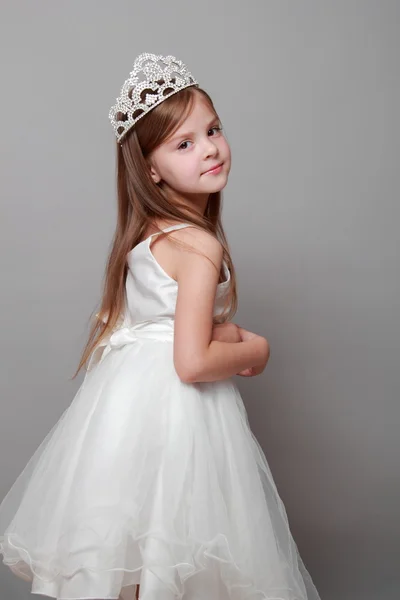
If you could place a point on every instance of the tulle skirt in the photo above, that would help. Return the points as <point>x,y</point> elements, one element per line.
<point>147,479</point>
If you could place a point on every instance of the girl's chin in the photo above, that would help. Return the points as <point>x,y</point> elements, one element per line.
<point>219,185</point>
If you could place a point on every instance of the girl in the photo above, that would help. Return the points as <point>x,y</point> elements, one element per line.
<point>152,475</point>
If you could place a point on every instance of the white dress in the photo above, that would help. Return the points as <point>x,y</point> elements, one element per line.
<point>147,479</point>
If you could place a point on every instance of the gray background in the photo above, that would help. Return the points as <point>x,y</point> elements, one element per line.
<point>308,93</point>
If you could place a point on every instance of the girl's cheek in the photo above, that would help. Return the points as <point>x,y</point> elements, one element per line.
<point>226,148</point>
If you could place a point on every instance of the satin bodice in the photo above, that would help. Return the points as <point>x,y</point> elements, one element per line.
<point>150,300</point>
<point>150,292</point>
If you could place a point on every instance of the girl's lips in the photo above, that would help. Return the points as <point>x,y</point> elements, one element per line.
<point>214,170</point>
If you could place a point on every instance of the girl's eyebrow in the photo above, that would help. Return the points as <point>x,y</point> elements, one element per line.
<point>189,133</point>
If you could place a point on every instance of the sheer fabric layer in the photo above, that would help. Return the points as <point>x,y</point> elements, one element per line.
<point>145,479</point>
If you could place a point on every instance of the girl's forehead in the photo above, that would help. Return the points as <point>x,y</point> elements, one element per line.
<point>201,114</point>
<point>201,107</point>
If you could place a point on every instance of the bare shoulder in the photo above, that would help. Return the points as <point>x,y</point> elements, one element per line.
<point>199,240</point>
<point>194,247</point>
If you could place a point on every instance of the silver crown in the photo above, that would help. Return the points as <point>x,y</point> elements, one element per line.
<point>150,71</point>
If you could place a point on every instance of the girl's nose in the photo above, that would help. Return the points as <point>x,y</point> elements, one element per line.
<point>211,149</point>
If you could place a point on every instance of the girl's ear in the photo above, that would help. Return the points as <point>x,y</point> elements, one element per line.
<point>153,172</point>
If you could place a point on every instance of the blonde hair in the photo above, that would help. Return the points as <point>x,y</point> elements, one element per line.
<point>141,202</point>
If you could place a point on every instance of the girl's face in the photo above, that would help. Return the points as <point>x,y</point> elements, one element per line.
<point>198,145</point>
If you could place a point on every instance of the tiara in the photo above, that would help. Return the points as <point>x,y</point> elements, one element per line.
<point>163,75</point>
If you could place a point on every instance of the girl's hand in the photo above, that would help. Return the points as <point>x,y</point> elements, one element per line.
<point>230,332</point>
<point>251,371</point>
<point>246,335</point>
<point>226,332</point>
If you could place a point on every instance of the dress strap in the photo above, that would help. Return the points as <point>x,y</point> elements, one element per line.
<point>172,227</point>
<point>166,229</point>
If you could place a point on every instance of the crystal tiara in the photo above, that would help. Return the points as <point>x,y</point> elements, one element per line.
<point>161,77</point>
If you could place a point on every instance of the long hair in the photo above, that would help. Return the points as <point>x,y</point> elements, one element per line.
<point>141,201</point>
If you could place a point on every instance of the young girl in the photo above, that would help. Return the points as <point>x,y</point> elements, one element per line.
<point>152,475</point>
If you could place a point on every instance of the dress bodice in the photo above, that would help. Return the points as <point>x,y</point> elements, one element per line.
<point>150,300</point>
<point>150,292</point>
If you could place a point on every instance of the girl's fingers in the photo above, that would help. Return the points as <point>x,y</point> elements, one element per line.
<point>246,372</point>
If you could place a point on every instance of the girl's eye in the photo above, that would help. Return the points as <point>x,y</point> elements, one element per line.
<point>180,147</point>
<point>217,128</point>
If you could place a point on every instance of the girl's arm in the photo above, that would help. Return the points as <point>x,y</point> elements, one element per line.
<point>230,332</point>
<point>197,357</point>
<point>224,359</point>
<point>226,332</point>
